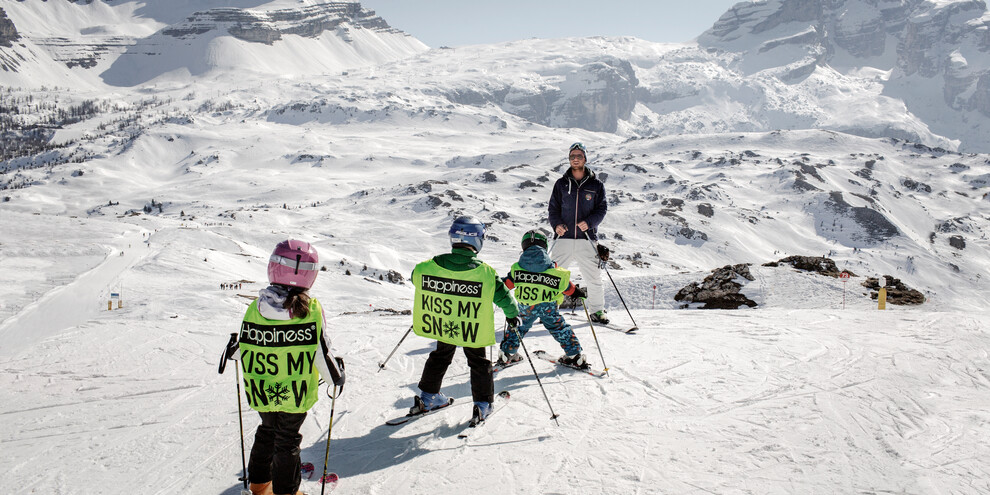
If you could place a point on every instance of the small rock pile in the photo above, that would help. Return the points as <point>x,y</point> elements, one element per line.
<point>719,290</point>
<point>897,292</point>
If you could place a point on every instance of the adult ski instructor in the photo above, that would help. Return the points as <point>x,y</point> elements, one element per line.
<point>577,206</point>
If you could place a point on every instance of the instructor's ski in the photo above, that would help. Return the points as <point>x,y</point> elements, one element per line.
<point>610,326</point>
<point>401,420</point>
<point>546,357</point>
<point>499,403</point>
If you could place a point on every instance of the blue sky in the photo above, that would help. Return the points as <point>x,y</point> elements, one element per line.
<point>466,22</point>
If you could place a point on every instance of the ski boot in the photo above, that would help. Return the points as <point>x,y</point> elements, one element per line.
<point>504,359</point>
<point>427,402</point>
<point>600,317</point>
<point>577,361</point>
<point>481,412</point>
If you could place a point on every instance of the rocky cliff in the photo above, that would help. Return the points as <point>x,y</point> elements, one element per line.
<point>923,43</point>
<point>269,26</point>
<point>8,33</point>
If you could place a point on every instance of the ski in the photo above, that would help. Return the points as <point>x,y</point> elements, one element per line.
<point>330,481</point>
<point>499,403</point>
<point>307,469</point>
<point>496,367</point>
<point>610,326</point>
<point>593,372</point>
<point>401,420</point>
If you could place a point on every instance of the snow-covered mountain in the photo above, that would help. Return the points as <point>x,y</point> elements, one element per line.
<point>933,55</point>
<point>916,69</point>
<point>158,149</point>
<point>127,43</point>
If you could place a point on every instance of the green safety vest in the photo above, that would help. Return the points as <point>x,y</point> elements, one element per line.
<point>455,307</point>
<point>533,288</point>
<point>278,358</point>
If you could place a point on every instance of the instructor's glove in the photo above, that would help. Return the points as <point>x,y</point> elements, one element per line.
<point>579,292</point>
<point>603,253</point>
<point>513,322</point>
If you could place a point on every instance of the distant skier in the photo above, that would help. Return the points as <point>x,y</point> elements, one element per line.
<point>539,288</point>
<point>281,338</point>
<point>577,206</point>
<point>453,305</point>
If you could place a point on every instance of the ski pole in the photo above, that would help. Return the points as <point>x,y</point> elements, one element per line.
<point>240,420</point>
<point>227,353</point>
<point>593,334</point>
<point>381,366</point>
<point>326,458</point>
<point>538,382</point>
<point>605,266</point>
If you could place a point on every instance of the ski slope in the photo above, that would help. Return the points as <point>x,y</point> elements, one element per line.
<point>788,398</point>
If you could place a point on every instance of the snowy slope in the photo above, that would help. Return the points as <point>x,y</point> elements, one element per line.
<point>775,400</point>
<point>798,395</point>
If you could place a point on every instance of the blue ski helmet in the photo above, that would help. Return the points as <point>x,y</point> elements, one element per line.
<point>467,230</point>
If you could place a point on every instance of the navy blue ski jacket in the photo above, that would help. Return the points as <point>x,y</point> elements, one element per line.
<point>572,201</point>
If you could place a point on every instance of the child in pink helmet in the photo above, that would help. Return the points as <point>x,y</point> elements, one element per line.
<point>282,337</point>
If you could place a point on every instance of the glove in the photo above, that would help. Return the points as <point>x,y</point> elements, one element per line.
<point>513,322</point>
<point>580,292</point>
<point>338,381</point>
<point>603,253</point>
<point>228,352</point>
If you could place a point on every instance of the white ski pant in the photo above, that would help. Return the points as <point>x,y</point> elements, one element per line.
<point>582,253</point>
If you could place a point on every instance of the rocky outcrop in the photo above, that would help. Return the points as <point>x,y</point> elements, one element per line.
<point>8,33</point>
<point>816,264</point>
<point>594,97</point>
<point>269,27</point>
<point>945,43</point>
<point>605,94</point>
<point>869,226</point>
<point>858,27</point>
<point>897,292</point>
<point>719,290</point>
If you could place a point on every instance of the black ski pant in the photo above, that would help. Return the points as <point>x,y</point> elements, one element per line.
<point>482,383</point>
<point>275,454</point>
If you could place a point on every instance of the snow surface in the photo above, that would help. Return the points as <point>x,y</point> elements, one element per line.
<point>813,391</point>
<point>799,396</point>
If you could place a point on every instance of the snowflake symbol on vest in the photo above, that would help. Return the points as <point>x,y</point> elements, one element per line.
<point>278,393</point>
<point>450,328</point>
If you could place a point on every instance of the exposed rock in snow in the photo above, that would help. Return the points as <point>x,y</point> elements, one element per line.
<point>8,33</point>
<point>720,290</point>
<point>897,291</point>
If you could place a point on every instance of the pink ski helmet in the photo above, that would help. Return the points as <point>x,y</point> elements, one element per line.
<point>294,263</point>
